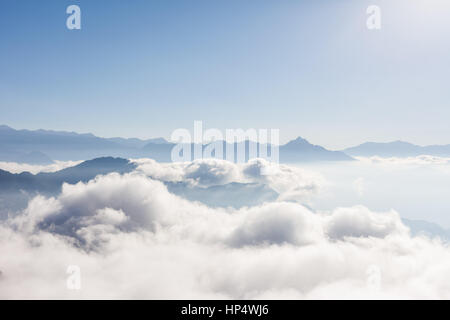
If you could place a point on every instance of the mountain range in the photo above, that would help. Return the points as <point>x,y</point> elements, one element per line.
<point>51,181</point>
<point>17,189</point>
<point>397,149</point>
<point>43,146</point>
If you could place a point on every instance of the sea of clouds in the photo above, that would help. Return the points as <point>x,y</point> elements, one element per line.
<point>132,238</point>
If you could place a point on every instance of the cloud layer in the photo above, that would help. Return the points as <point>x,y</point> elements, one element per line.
<point>290,183</point>
<point>132,238</point>
<point>418,160</point>
<point>14,167</point>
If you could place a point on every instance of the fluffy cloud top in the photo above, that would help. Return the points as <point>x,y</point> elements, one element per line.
<point>14,167</point>
<point>132,238</point>
<point>290,183</point>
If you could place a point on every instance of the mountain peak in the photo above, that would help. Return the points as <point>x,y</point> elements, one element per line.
<point>104,162</point>
<point>396,149</point>
<point>157,141</point>
<point>301,150</point>
<point>400,142</point>
<point>298,141</point>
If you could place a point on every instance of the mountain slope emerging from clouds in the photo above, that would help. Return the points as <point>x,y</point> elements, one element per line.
<point>50,182</point>
<point>17,189</point>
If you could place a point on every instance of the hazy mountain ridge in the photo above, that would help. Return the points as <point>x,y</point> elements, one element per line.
<point>52,181</point>
<point>397,149</point>
<point>301,150</point>
<point>235,195</point>
<point>17,189</point>
<point>42,146</point>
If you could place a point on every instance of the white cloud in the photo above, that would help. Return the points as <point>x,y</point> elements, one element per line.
<point>291,183</point>
<point>418,160</point>
<point>359,222</point>
<point>14,167</point>
<point>134,239</point>
<point>359,186</point>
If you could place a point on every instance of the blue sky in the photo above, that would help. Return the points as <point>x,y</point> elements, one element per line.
<point>310,68</point>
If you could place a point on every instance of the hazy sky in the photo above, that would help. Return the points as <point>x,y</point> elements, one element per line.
<point>310,68</point>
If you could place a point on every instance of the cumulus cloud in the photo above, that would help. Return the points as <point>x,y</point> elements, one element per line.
<point>291,183</point>
<point>132,238</point>
<point>14,167</point>
<point>360,222</point>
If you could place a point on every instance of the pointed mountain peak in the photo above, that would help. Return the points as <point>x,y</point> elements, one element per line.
<point>298,141</point>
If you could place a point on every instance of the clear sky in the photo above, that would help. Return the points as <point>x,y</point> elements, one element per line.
<point>143,68</point>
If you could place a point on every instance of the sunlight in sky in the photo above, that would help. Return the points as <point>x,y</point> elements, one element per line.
<point>306,68</point>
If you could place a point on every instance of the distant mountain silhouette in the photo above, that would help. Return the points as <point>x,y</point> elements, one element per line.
<point>32,157</point>
<point>51,182</point>
<point>158,151</point>
<point>43,146</point>
<point>15,145</point>
<point>17,189</point>
<point>397,149</point>
<point>298,150</point>
<point>137,143</point>
<point>301,150</point>
<point>233,194</point>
